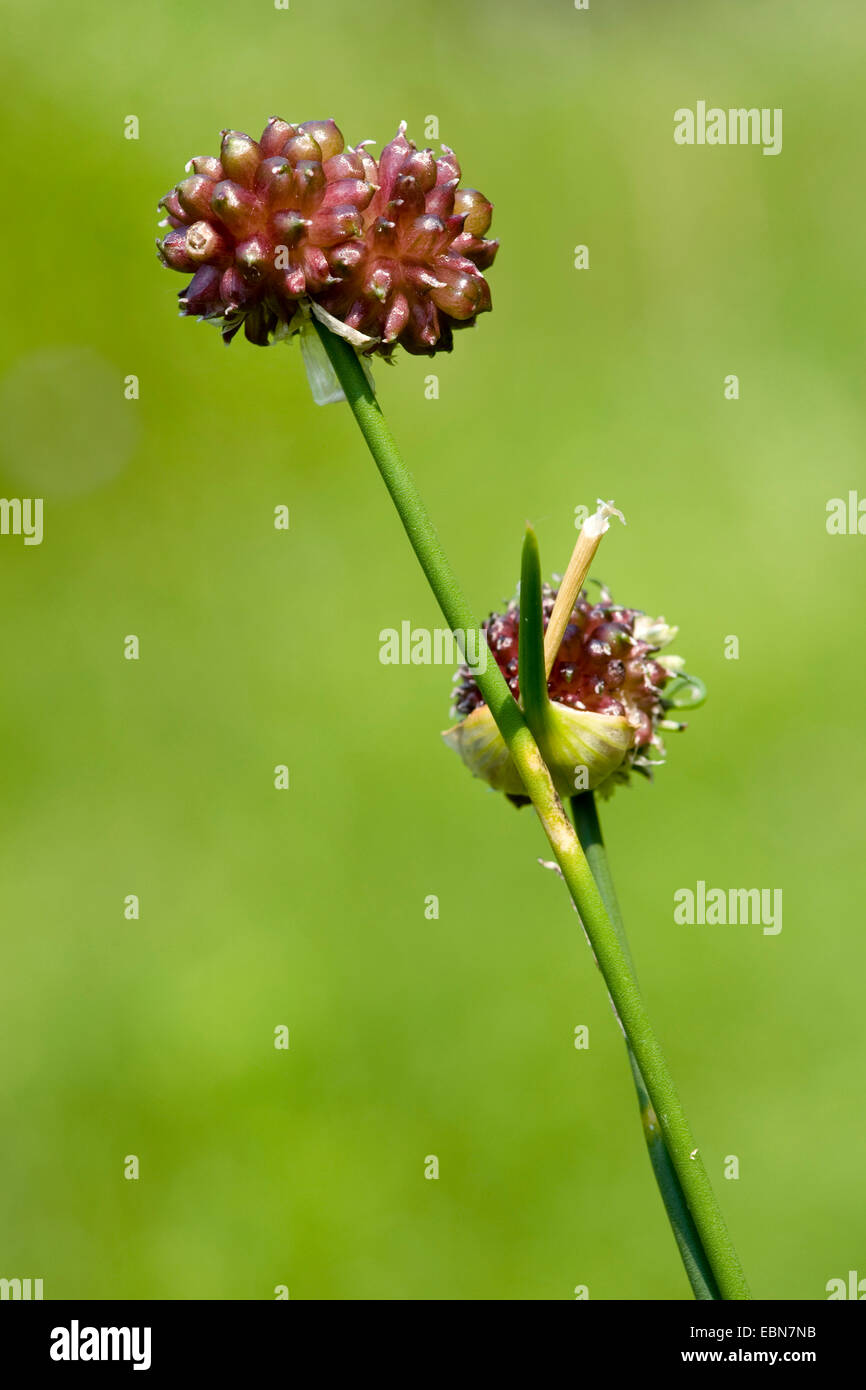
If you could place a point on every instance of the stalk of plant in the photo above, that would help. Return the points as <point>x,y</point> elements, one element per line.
<point>694,1257</point>
<point>585,817</point>
<point>597,712</point>
<point>589,665</point>
<point>526,755</point>
<point>538,653</point>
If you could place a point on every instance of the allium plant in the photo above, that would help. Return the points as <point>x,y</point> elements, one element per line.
<point>298,232</point>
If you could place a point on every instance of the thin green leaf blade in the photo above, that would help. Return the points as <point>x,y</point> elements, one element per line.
<point>533,680</point>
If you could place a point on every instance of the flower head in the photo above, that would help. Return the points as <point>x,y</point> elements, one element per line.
<point>610,692</point>
<point>386,252</point>
<point>265,225</point>
<point>414,274</point>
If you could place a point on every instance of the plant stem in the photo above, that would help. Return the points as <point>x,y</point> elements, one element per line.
<point>701,1278</point>
<point>614,964</point>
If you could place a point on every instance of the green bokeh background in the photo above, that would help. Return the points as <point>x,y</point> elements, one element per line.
<point>412,1037</point>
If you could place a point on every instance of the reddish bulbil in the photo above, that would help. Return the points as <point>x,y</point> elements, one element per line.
<point>393,248</point>
<point>601,665</point>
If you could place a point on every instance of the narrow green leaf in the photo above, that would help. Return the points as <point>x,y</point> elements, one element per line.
<point>533,679</point>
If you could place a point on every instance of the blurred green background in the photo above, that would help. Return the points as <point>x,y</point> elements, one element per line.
<point>412,1037</point>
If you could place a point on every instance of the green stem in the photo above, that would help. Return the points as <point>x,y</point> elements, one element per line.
<point>688,1241</point>
<point>618,975</point>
